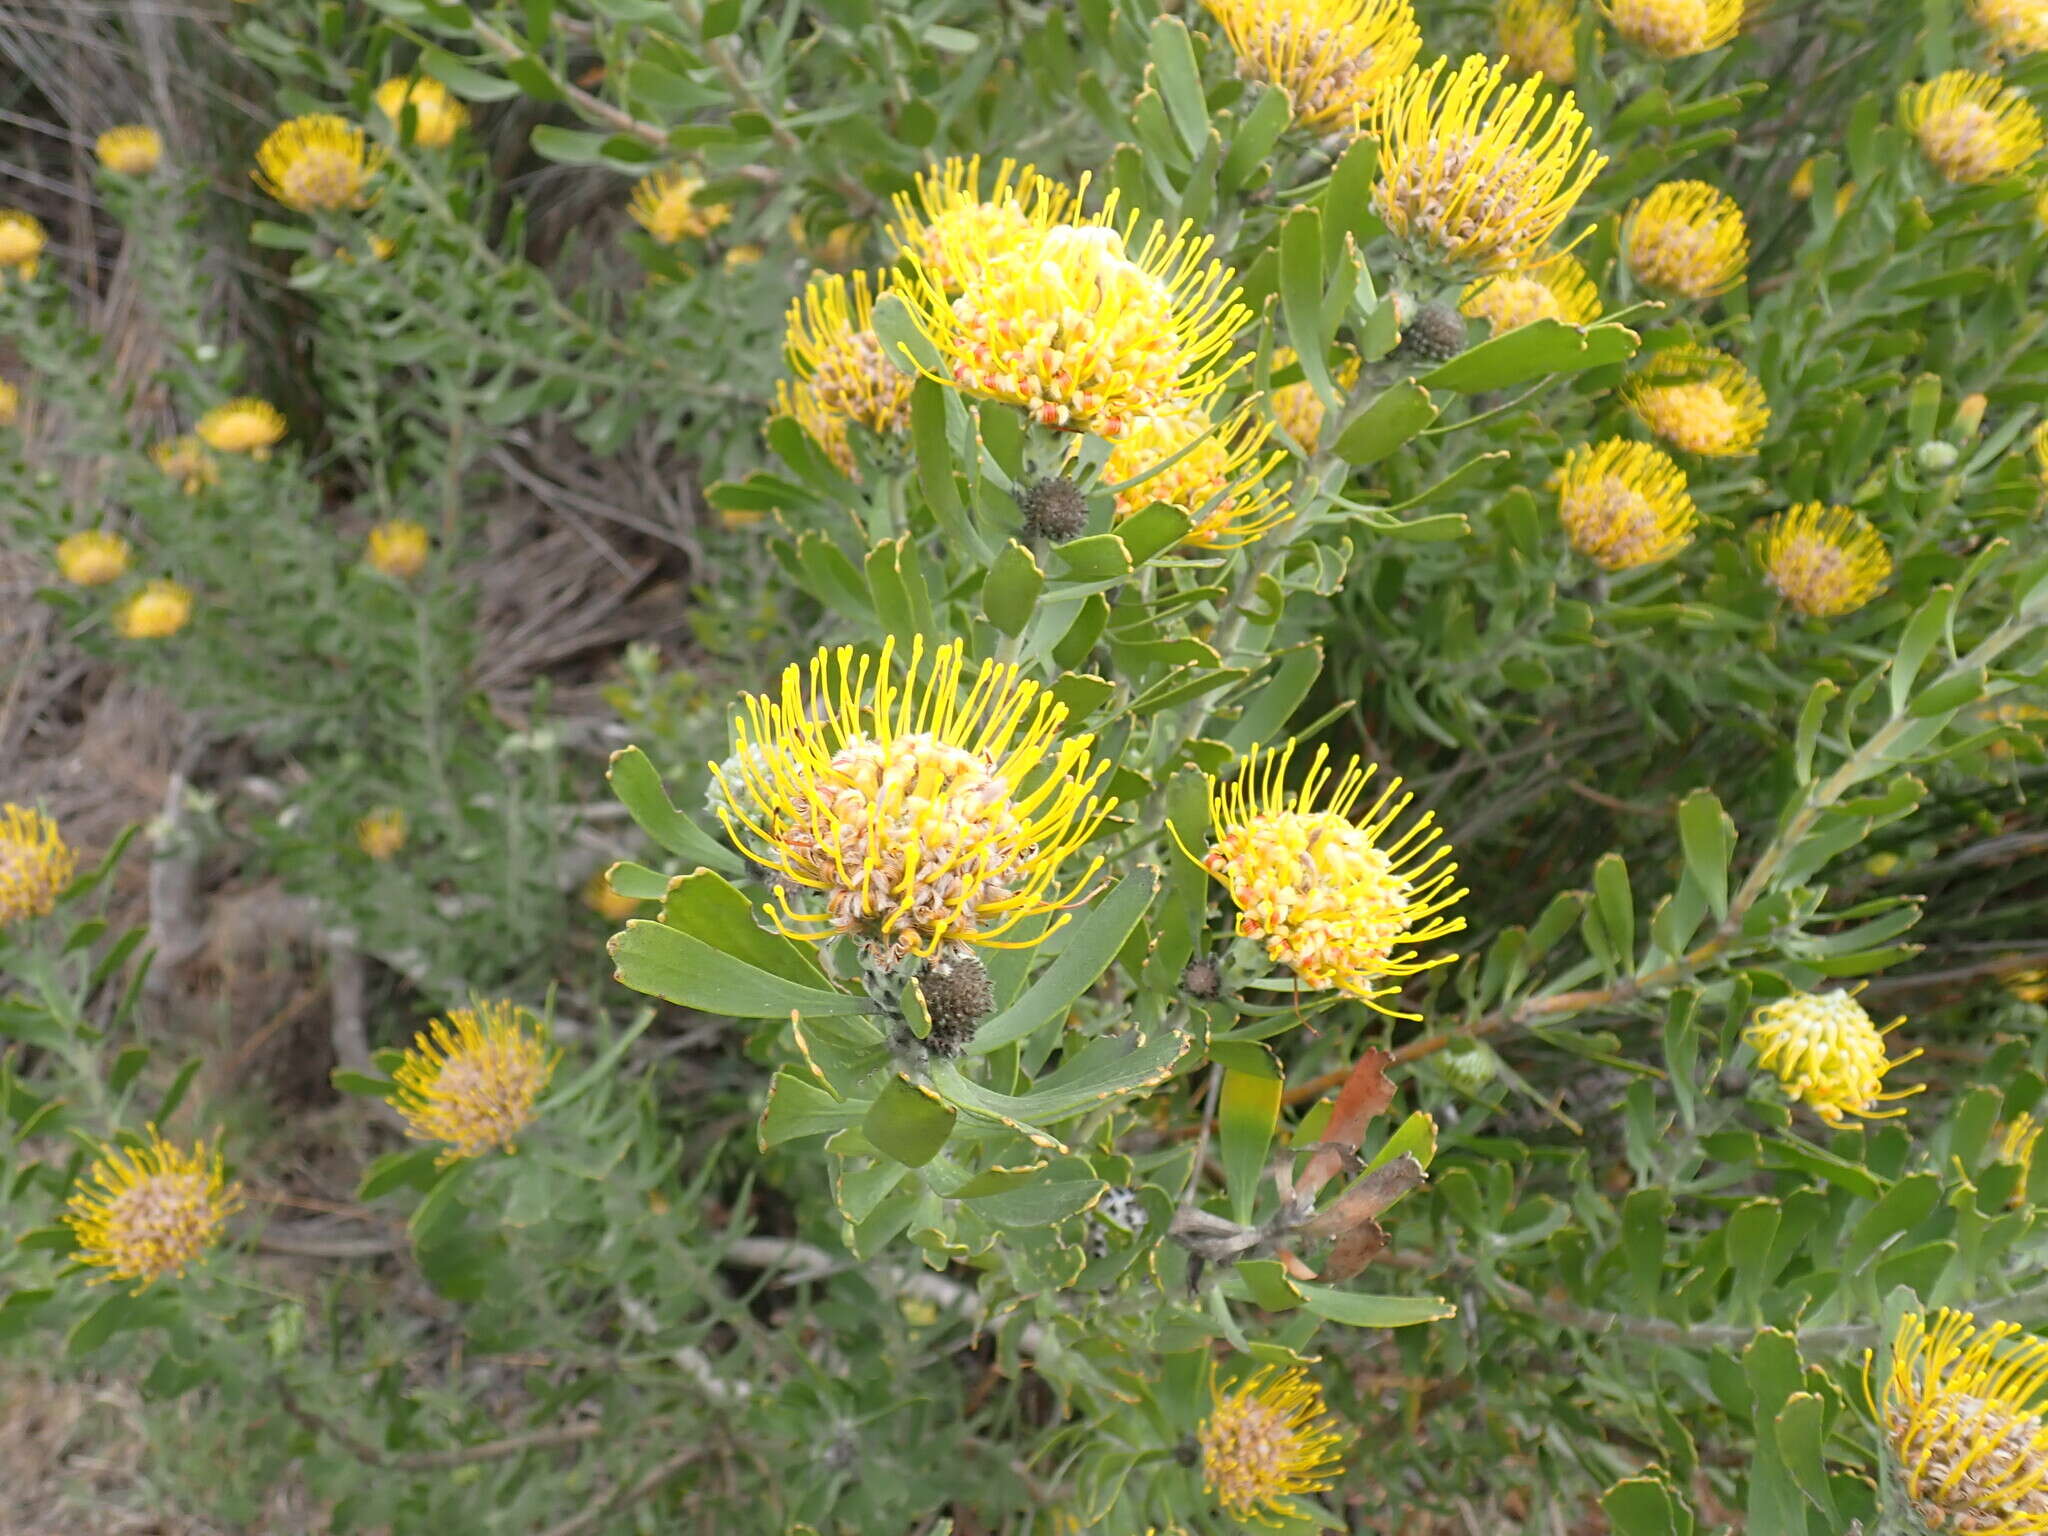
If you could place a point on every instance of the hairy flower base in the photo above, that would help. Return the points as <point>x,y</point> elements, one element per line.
<point>1557,290</point>
<point>36,864</point>
<point>1701,401</point>
<point>1686,238</point>
<point>1973,128</point>
<point>843,377</point>
<point>1827,1054</point>
<point>1330,56</point>
<point>472,1081</point>
<point>1824,561</point>
<point>1624,504</point>
<point>147,1213</point>
<point>1675,29</point>
<point>1268,1441</point>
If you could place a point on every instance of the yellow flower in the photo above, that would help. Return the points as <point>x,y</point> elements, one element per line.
<point>1330,56</point>
<point>953,230</point>
<point>1801,187</point>
<point>186,461</point>
<point>319,161</point>
<point>10,403</point>
<point>665,205</point>
<point>2016,26</point>
<point>1478,181</point>
<point>1557,289</point>
<point>2016,1143</point>
<point>1824,561</point>
<point>743,256</point>
<point>1082,325</point>
<point>471,1081</point>
<point>437,116</point>
<point>1297,406</point>
<point>2028,986</point>
<point>1972,128</point>
<point>398,548</point>
<point>1624,504</point>
<point>1828,1055</point>
<point>1686,238</point>
<point>843,377</point>
<point>22,238</point>
<point>156,612</point>
<point>147,1213</point>
<point>245,425</point>
<point>1538,37</point>
<point>35,864</point>
<point>1337,902</point>
<point>607,903</point>
<point>1965,1417</point>
<point>93,558</point>
<point>1675,29</point>
<point>1220,482</point>
<point>1266,1442</point>
<point>2041,450</point>
<point>1701,401</point>
<point>381,833</point>
<point>132,150</point>
<point>922,815</point>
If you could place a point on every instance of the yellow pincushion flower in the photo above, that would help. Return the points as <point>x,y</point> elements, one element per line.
<point>1964,1415</point>
<point>1687,239</point>
<point>666,204</point>
<point>1539,37</point>
<point>1824,561</point>
<point>186,461</point>
<point>398,547</point>
<point>1297,406</point>
<point>156,612</point>
<point>1701,401</point>
<point>920,810</point>
<point>147,1213</point>
<point>1220,482</point>
<point>607,903</point>
<point>437,116</point>
<point>1266,1442</point>
<point>1340,903</point>
<point>472,1080</point>
<point>1478,179</point>
<point>1624,504</point>
<point>316,162</point>
<point>381,833</point>
<point>245,425</point>
<point>953,229</point>
<point>35,864</point>
<point>843,378</point>
<point>2041,450</point>
<point>131,150</point>
<point>22,238</point>
<point>1675,29</point>
<point>93,557</point>
<point>2016,26</point>
<point>1828,1055</point>
<point>1972,128</point>
<point>1558,289</point>
<point>1330,56</point>
<point>1083,325</point>
<point>10,403</point>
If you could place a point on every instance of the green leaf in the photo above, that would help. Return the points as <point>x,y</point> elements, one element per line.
<point>1247,1111</point>
<point>908,1121</point>
<point>1951,693</point>
<point>638,786</point>
<point>1099,557</point>
<point>1255,138</point>
<point>1617,908</point>
<point>904,342</point>
<point>1301,297</point>
<point>1707,834</point>
<point>1645,1506</point>
<point>708,907</point>
<point>1152,531</point>
<point>1104,1072</point>
<point>1092,942</point>
<point>1530,352</point>
<point>1415,1137</point>
<point>1391,420</point>
<point>346,1081</point>
<point>410,1167</point>
<point>464,80</point>
<point>1359,1311</point>
<point>797,1107</point>
<point>1180,82</point>
<point>1811,713</point>
<point>1067,1187</point>
<point>1925,628</point>
<point>667,963</point>
<point>1801,1430</point>
<point>1010,591</point>
<point>119,1313</point>
<point>1904,1206</point>
<point>1644,1216</point>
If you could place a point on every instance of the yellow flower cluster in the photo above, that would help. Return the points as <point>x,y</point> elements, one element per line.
<point>155,612</point>
<point>1266,1442</point>
<point>951,230</point>
<point>398,548</point>
<point>1972,128</point>
<point>22,238</point>
<point>1828,1055</point>
<point>93,557</point>
<point>36,864</point>
<point>1215,474</point>
<point>471,1081</point>
<point>1675,29</point>
<point>380,833</point>
<point>671,207</point>
<point>1297,406</point>
<point>1699,401</point>
<point>1538,37</point>
<point>244,425</point>
<point>1330,56</point>
<point>186,461</point>
<point>148,1213</point>
<point>1556,289</point>
<point>316,163</point>
<point>1624,504</point>
<point>1824,561</point>
<point>843,377</point>
<point>132,150</point>
<point>437,116</point>
<point>1686,239</point>
<point>10,403</point>
<point>2016,26</point>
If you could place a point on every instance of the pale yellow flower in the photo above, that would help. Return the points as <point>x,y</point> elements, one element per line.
<point>93,558</point>
<point>246,425</point>
<point>1824,561</point>
<point>472,1081</point>
<point>1624,504</point>
<point>1973,128</point>
<point>1539,37</point>
<point>318,162</point>
<point>668,205</point>
<point>157,612</point>
<point>1700,401</point>
<point>1828,1055</point>
<point>1557,289</point>
<point>1675,29</point>
<point>1330,56</point>
<point>133,150</point>
<point>1267,1441</point>
<point>36,864</point>
<point>843,377</point>
<point>148,1213</point>
<point>398,548</point>
<point>22,238</point>
<point>438,116</point>
<point>380,834</point>
<point>1686,239</point>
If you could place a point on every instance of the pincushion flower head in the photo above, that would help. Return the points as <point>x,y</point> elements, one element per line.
<point>93,557</point>
<point>1828,1055</point>
<point>1539,37</point>
<point>671,207</point>
<point>953,228</point>
<point>1686,239</point>
<point>319,162</point>
<point>1473,175</point>
<point>1339,902</point>
<point>2017,27</point>
<point>245,425</point>
<point>380,833</point>
<point>159,610</point>
<point>437,116</point>
<point>843,377</point>
<point>36,864</point>
<point>936,807</point>
<point>1557,289</point>
<point>1330,56</point>
<point>1972,128</point>
<point>471,1081</point>
<point>22,238</point>
<point>1297,406</point>
<point>1268,1441</point>
<point>1700,401</point>
<point>1824,561</point>
<point>130,150</point>
<point>398,548</point>
<point>186,461</point>
<point>1964,1415</point>
<point>148,1213</point>
<point>1624,504</point>
<point>1675,29</point>
<point>1219,477</point>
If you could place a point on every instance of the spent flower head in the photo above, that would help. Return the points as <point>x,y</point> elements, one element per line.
<point>1825,561</point>
<point>1700,401</point>
<point>22,238</point>
<point>148,1213</point>
<point>247,424</point>
<point>843,377</point>
<point>1675,29</point>
<point>471,1081</point>
<point>1330,56</point>
<point>1217,475</point>
<point>1686,239</point>
<point>130,150</point>
<point>671,207</point>
<point>1971,127</point>
<point>1828,1055</point>
<point>437,116</point>
<point>1624,504</point>
<point>93,557</point>
<point>954,228</point>
<point>398,547</point>
<point>1539,37</point>
<point>319,162</point>
<point>156,612</point>
<point>36,864</point>
<point>1557,289</point>
<point>1268,1441</point>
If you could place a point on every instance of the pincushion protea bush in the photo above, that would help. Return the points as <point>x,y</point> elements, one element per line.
<point>1324,821</point>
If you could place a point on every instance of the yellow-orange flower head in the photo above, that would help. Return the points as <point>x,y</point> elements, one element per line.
<point>437,116</point>
<point>1558,289</point>
<point>1539,37</point>
<point>932,809</point>
<point>1475,178</point>
<point>93,558</point>
<point>1828,1055</point>
<point>1330,56</point>
<point>148,1213</point>
<point>1297,406</point>
<point>1675,29</point>
<point>1340,903</point>
<point>1824,561</point>
<point>843,378</point>
<point>398,547</point>
<point>245,425</point>
<point>157,612</point>
<point>1972,128</point>
<point>1624,504</point>
<point>381,833</point>
<point>2017,27</point>
<point>1686,239</point>
<point>1220,481</point>
<point>1268,1441</point>
<point>954,230</point>
<point>10,403</point>
<point>186,461</point>
<point>131,150</point>
<point>1700,401</point>
<point>36,864</point>
<point>1965,1417</point>
<point>316,162</point>
<point>22,238</point>
<point>669,206</point>
<point>471,1081</point>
